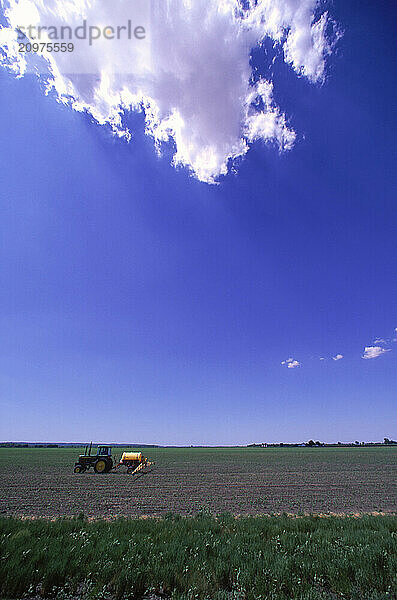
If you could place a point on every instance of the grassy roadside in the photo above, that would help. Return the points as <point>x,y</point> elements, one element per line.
<point>205,557</point>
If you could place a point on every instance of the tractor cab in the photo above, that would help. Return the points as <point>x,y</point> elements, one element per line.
<point>104,451</point>
<point>101,462</point>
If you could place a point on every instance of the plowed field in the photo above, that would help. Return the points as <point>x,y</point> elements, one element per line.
<point>41,482</point>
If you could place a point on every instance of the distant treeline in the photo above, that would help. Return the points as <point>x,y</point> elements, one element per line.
<point>309,444</point>
<point>26,445</point>
<point>68,445</point>
<point>313,444</point>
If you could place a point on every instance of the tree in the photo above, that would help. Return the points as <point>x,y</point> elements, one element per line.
<point>310,443</point>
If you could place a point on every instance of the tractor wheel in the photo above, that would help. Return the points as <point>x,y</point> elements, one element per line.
<point>100,466</point>
<point>109,466</point>
<point>78,469</point>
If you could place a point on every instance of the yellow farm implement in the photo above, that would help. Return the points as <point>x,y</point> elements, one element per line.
<point>134,461</point>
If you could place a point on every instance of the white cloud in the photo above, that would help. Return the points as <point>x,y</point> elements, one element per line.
<point>291,363</point>
<point>373,351</point>
<point>379,341</point>
<point>337,357</point>
<point>294,364</point>
<point>193,81</point>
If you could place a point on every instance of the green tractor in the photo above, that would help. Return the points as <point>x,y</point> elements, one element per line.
<point>101,462</point>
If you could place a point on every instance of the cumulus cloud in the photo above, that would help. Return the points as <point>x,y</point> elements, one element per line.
<point>191,77</point>
<point>373,351</point>
<point>337,357</point>
<point>291,363</point>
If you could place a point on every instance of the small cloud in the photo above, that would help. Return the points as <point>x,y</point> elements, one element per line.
<point>294,364</point>
<point>379,341</point>
<point>337,357</point>
<point>291,363</point>
<point>285,362</point>
<point>373,351</point>
<point>322,358</point>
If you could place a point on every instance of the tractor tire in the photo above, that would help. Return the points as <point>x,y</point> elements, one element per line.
<point>100,466</point>
<point>109,466</point>
<point>78,469</point>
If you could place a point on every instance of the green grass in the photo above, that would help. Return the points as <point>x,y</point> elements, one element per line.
<point>205,557</point>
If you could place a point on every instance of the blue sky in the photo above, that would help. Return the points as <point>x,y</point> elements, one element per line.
<point>139,304</point>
